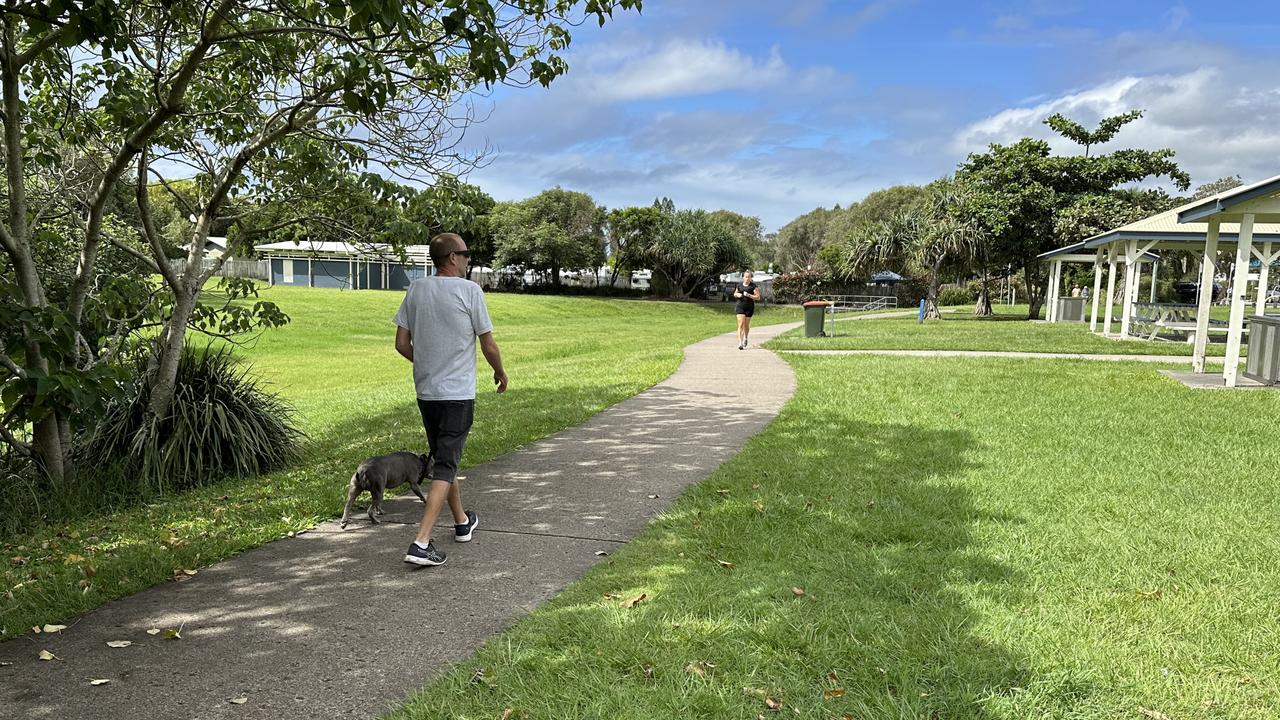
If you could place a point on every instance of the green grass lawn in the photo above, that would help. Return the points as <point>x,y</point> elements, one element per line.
<point>1051,539</point>
<point>567,358</point>
<point>1007,331</point>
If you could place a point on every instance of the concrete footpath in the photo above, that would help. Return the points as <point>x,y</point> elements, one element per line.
<point>1101,357</point>
<point>333,624</point>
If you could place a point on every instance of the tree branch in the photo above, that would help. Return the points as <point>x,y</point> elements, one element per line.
<point>135,144</point>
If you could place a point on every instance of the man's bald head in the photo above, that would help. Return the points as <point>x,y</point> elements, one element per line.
<point>442,245</point>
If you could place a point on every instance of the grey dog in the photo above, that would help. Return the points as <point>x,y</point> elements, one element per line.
<point>381,473</point>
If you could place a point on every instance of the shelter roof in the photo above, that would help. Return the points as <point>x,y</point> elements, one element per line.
<point>1166,226</point>
<point>1261,198</point>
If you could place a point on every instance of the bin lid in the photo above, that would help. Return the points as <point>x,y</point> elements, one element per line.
<point>816,303</point>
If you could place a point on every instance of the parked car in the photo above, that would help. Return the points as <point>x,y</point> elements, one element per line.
<point>1186,291</point>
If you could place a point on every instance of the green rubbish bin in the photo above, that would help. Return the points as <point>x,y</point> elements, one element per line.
<point>814,315</point>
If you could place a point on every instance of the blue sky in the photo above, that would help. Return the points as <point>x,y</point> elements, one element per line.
<point>771,108</point>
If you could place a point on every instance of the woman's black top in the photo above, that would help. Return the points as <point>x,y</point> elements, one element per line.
<point>746,304</point>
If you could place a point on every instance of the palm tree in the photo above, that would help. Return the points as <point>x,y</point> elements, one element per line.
<point>922,239</point>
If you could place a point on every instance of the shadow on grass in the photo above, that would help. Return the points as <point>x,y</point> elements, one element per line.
<point>869,520</point>
<point>284,620</point>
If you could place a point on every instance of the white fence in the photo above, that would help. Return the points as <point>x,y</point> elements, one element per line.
<point>234,267</point>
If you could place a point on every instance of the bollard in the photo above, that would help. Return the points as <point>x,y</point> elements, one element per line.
<point>922,311</point>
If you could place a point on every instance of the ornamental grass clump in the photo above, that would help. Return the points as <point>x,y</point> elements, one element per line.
<point>222,423</point>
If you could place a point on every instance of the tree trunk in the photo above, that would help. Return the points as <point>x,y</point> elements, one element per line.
<point>1035,294</point>
<point>983,308</point>
<point>164,380</point>
<point>555,274</point>
<point>931,311</point>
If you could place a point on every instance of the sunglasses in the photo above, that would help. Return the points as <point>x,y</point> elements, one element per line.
<point>463,253</point>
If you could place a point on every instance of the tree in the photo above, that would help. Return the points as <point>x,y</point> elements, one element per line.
<point>1217,186</point>
<point>799,241</point>
<point>689,249</point>
<point>1017,192</point>
<point>248,96</point>
<point>630,230</point>
<point>746,229</point>
<point>554,230</point>
<point>923,239</point>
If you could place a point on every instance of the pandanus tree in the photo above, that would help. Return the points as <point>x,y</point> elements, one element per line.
<point>924,239</point>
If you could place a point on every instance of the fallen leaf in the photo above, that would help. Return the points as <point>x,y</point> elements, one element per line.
<point>601,553</point>
<point>647,668</point>
<point>1152,714</point>
<point>833,693</point>
<point>797,591</point>
<point>72,559</point>
<point>153,631</point>
<point>189,572</point>
<point>119,643</point>
<point>1151,594</point>
<point>35,629</point>
<point>725,564</point>
<point>173,633</point>
<point>612,596</point>
<point>833,677</point>
<point>506,714</point>
<point>654,497</point>
<point>238,701</point>
<point>20,560</point>
<point>847,716</point>
<point>53,628</point>
<point>99,681</point>
<point>772,704</point>
<point>632,602</point>
<point>871,503</point>
<point>696,668</point>
<point>724,492</point>
<point>46,655</point>
<point>759,505</point>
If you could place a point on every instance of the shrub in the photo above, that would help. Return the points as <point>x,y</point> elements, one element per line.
<point>800,286</point>
<point>956,296</point>
<point>222,423</point>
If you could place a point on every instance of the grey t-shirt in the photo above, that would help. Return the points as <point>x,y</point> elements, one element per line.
<point>444,316</point>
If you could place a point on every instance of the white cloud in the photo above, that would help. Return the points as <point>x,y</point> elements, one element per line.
<point>1219,123</point>
<point>682,67</point>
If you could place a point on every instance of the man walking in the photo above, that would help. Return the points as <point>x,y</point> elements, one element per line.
<point>436,330</point>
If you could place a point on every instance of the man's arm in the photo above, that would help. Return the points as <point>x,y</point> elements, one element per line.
<point>489,347</point>
<point>404,343</point>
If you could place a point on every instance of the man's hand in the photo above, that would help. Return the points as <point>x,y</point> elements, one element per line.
<point>500,379</point>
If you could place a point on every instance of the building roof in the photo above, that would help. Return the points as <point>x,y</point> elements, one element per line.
<point>343,249</point>
<point>1168,226</point>
<point>1224,202</point>
<point>1082,248</point>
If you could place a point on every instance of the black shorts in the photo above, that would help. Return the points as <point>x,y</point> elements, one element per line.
<point>447,423</point>
<point>747,310</point>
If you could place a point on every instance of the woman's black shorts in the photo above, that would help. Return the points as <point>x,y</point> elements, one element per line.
<point>743,309</point>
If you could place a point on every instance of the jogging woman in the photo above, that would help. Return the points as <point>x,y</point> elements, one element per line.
<point>747,293</point>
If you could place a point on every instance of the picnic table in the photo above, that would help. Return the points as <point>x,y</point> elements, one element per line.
<point>1150,319</point>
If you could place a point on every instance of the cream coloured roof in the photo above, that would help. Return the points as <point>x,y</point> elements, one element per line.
<point>1165,226</point>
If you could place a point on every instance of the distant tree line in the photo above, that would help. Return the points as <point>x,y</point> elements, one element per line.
<point>997,212</point>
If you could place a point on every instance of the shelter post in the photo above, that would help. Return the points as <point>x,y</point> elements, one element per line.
<point>1264,278</point>
<point>1130,287</point>
<point>1111,288</point>
<point>1155,272</point>
<point>1208,271</point>
<point>1097,290</point>
<point>1235,331</point>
